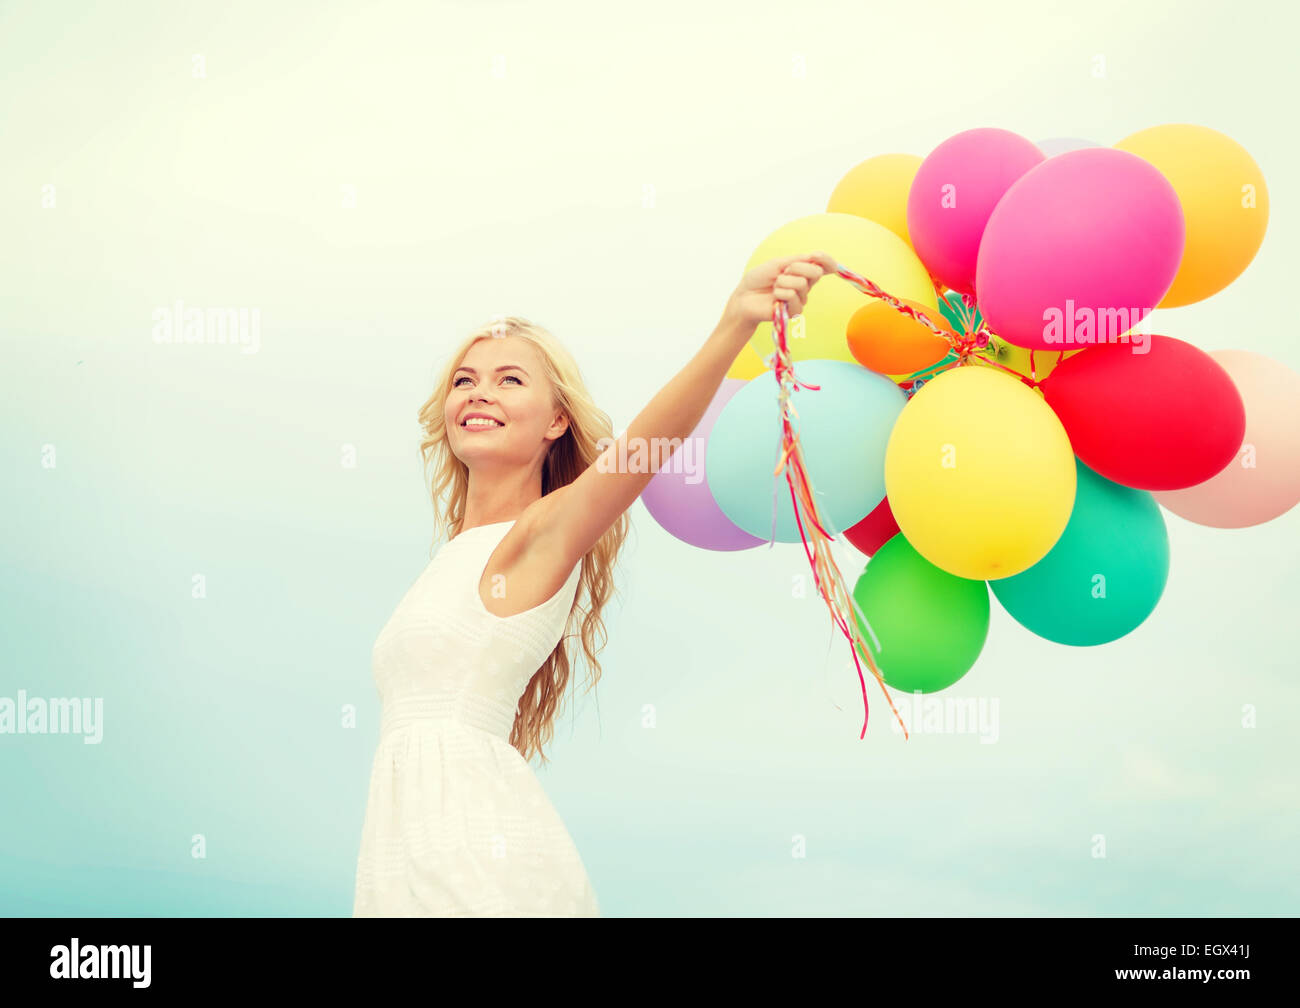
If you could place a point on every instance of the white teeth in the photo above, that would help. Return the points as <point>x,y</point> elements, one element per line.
<point>476,422</point>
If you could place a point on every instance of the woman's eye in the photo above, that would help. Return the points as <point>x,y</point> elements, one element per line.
<point>456,383</point>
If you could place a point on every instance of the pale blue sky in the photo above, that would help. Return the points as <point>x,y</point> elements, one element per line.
<point>500,155</point>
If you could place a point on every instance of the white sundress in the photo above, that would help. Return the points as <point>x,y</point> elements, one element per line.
<point>456,822</point>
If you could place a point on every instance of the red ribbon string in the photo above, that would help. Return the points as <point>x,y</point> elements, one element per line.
<point>826,574</point>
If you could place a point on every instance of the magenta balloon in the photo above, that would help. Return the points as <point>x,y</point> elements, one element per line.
<point>953,194</point>
<point>1086,239</point>
<point>687,509</point>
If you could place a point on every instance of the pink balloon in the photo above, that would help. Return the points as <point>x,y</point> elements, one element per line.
<point>1263,480</point>
<point>1084,243</point>
<point>678,496</point>
<point>955,190</point>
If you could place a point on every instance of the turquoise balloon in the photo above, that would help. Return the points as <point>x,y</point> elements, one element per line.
<point>843,428</point>
<point>948,307</point>
<point>951,306</point>
<point>1105,574</point>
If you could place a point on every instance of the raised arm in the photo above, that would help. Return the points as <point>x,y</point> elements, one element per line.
<point>584,510</point>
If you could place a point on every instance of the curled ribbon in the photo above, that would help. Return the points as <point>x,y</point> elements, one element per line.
<point>826,575</point>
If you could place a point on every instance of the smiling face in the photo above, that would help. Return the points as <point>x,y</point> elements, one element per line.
<point>504,380</point>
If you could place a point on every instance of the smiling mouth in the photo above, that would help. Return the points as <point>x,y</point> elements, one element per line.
<point>479,425</point>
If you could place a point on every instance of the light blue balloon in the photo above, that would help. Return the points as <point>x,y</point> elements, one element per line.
<point>843,428</point>
<point>1062,145</point>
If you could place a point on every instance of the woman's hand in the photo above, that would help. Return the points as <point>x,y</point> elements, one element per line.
<point>787,279</point>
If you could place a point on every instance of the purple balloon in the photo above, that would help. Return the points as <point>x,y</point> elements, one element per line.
<point>678,496</point>
<point>1061,145</point>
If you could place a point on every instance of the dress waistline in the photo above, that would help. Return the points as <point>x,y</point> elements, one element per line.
<point>468,709</point>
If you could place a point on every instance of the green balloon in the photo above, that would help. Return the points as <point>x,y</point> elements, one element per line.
<point>1105,574</point>
<point>931,625</point>
<point>951,306</point>
<point>998,350</point>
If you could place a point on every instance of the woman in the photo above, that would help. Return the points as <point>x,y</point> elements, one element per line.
<point>472,664</point>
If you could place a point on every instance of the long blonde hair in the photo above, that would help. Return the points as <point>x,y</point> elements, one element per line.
<point>569,455</point>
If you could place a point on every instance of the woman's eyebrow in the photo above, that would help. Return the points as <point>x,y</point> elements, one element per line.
<point>504,367</point>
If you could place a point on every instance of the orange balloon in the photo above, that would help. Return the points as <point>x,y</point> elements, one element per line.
<point>1224,200</point>
<point>888,342</point>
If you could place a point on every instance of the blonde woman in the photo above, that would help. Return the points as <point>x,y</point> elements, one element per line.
<point>473,663</point>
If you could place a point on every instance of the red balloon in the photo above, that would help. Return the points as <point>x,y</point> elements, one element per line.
<point>874,530</point>
<point>1162,420</point>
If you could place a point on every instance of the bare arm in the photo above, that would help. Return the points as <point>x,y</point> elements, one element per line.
<point>584,510</point>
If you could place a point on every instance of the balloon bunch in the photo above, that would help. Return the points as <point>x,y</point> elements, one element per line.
<point>986,409</point>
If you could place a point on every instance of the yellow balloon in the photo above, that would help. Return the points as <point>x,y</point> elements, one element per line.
<point>1224,200</point>
<point>980,474</point>
<point>870,250</point>
<point>877,189</point>
<point>748,364</point>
